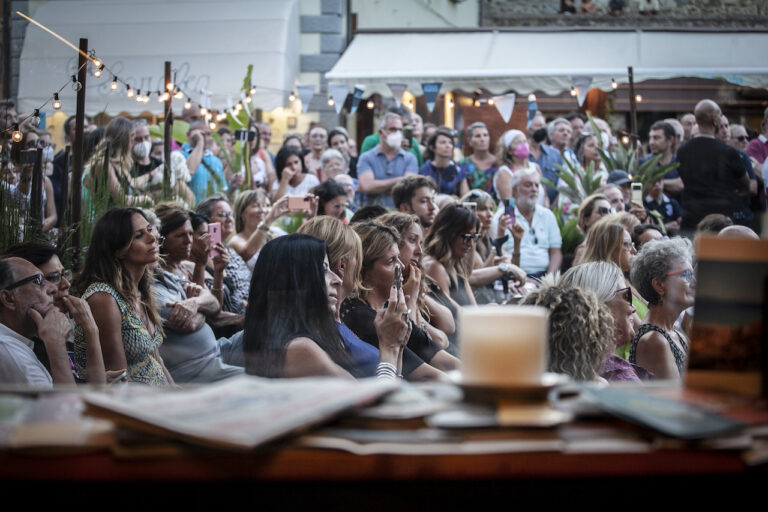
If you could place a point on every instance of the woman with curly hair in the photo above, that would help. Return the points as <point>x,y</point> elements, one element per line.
<point>663,274</point>
<point>579,330</point>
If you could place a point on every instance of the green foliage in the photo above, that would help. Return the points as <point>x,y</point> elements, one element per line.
<point>650,171</point>
<point>569,231</point>
<point>578,182</point>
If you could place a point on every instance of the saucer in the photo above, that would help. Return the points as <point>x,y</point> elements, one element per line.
<point>524,392</point>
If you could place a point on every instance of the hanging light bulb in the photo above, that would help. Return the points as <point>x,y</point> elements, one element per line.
<point>370,104</point>
<point>614,85</point>
<point>291,97</point>
<point>113,85</point>
<point>128,91</point>
<point>212,125</point>
<point>625,140</point>
<point>179,95</point>
<point>170,86</point>
<point>35,118</point>
<point>638,98</point>
<point>490,101</point>
<point>56,101</point>
<point>208,116</point>
<point>203,111</point>
<point>252,90</point>
<point>331,102</point>
<point>16,136</point>
<point>98,70</point>
<point>248,99</point>
<point>139,98</point>
<point>573,91</point>
<point>76,86</point>
<point>188,104</point>
<point>96,63</point>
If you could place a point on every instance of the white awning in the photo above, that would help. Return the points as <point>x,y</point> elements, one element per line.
<point>210,45</point>
<point>531,61</point>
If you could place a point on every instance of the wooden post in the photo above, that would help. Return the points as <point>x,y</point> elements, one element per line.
<point>34,225</point>
<point>64,221</point>
<point>77,157</point>
<point>632,115</point>
<point>167,131</point>
<point>7,49</point>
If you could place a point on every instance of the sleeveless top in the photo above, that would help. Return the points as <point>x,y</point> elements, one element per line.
<point>679,355</point>
<point>138,345</point>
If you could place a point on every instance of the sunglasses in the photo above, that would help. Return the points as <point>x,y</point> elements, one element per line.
<point>686,273</point>
<point>38,279</point>
<point>468,238</point>
<point>603,211</point>
<point>55,277</point>
<point>742,138</point>
<point>625,293</point>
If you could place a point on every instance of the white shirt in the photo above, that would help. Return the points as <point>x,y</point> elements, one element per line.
<point>18,363</point>
<point>536,242</point>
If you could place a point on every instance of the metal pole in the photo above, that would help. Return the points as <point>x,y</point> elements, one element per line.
<point>65,221</point>
<point>36,197</point>
<point>632,115</point>
<point>167,130</point>
<point>77,156</point>
<point>6,49</point>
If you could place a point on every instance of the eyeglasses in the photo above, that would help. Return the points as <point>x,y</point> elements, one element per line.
<point>686,273</point>
<point>38,279</point>
<point>629,245</point>
<point>742,138</point>
<point>55,277</point>
<point>625,293</point>
<point>535,239</point>
<point>468,238</point>
<point>224,215</point>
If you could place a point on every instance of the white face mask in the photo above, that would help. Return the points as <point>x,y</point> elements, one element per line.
<point>394,139</point>
<point>141,150</point>
<point>48,154</point>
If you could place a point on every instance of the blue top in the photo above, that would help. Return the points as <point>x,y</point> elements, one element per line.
<point>365,356</point>
<point>375,161</point>
<point>547,160</point>
<point>204,182</point>
<point>447,178</point>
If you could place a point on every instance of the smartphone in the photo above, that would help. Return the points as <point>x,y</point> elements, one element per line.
<point>509,209</point>
<point>298,203</point>
<point>397,282</point>
<point>408,134</point>
<point>120,378</point>
<point>637,193</point>
<point>470,206</point>
<point>245,135</point>
<point>214,229</point>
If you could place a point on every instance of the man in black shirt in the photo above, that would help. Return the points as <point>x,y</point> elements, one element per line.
<point>712,172</point>
<point>141,145</point>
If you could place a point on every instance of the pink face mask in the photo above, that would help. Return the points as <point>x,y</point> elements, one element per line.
<point>522,150</point>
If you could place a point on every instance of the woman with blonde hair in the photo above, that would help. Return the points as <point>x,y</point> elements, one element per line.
<point>253,223</point>
<point>591,210</point>
<point>381,263</point>
<point>345,258</point>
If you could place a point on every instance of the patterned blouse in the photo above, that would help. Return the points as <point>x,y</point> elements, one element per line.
<point>139,346</point>
<point>477,179</point>
<point>240,277</point>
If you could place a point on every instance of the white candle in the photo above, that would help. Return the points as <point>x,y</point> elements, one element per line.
<point>503,345</point>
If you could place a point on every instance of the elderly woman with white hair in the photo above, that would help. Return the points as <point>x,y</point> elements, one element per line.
<point>663,274</point>
<point>512,153</point>
<point>332,164</point>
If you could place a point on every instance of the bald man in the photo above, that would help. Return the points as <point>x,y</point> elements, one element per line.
<point>713,174</point>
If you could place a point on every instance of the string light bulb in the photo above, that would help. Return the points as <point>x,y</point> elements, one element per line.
<point>16,136</point>
<point>574,92</point>
<point>490,101</point>
<point>203,111</point>
<point>170,86</point>
<point>208,116</point>
<point>35,118</point>
<point>179,95</point>
<point>248,99</point>
<point>212,125</point>
<point>98,70</point>
<point>614,85</point>
<point>331,102</point>
<point>138,96</point>
<point>96,63</point>
<point>252,90</point>
<point>370,104</point>
<point>76,86</point>
<point>625,140</point>
<point>128,91</point>
<point>56,101</point>
<point>113,85</point>
<point>638,98</point>
<point>188,104</point>
<point>291,97</point>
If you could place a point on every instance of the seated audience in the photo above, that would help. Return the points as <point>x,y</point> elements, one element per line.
<point>332,199</point>
<point>254,220</point>
<point>479,168</point>
<point>293,178</point>
<point>290,329</point>
<point>190,350</point>
<point>663,274</point>
<point>439,165</point>
<point>380,261</point>
<point>592,209</point>
<point>416,195</point>
<point>338,139</point>
<point>345,256</point>
<point>512,152</point>
<point>644,233</point>
<point>579,331</point>
<point>332,164</point>
<point>116,281</point>
<point>606,281</point>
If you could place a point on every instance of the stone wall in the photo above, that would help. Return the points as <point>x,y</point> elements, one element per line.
<point>639,13</point>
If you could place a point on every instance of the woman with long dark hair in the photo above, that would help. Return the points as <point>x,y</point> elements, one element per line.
<point>290,329</point>
<point>116,278</point>
<point>293,179</point>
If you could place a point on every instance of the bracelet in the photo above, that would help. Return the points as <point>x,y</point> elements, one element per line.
<point>215,289</point>
<point>386,371</point>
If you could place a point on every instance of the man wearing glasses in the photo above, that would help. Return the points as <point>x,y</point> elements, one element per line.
<point>30,324</point>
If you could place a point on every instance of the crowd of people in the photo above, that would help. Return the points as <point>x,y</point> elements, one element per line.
<point>320,260</point>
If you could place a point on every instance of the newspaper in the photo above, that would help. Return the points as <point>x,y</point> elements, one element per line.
<point>240,413</point>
